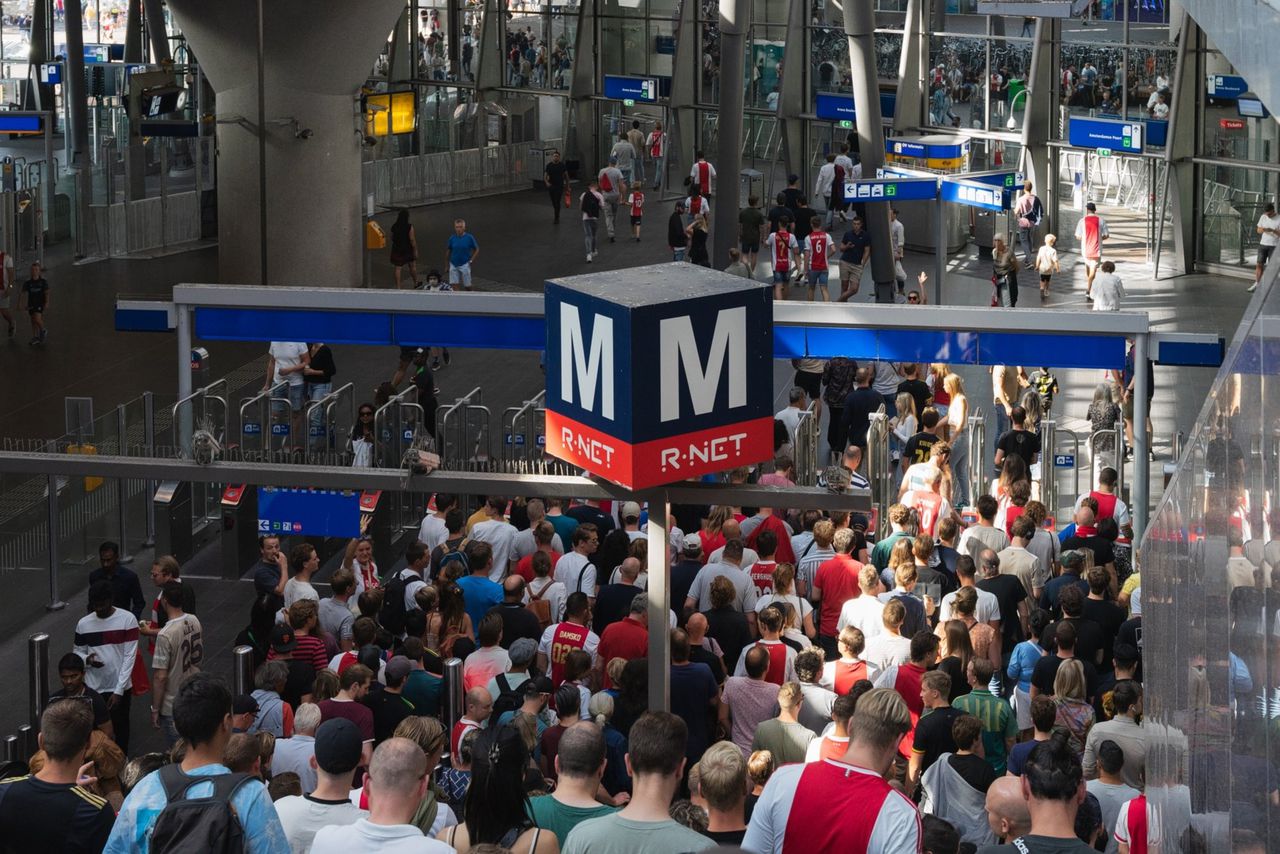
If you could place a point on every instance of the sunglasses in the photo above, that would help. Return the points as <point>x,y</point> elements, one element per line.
<point>913,299</point>
<point>366,412</point>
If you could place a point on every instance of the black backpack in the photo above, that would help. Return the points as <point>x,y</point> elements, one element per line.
<point>509,699</point>
<point>208,825</point>
<point>392,614</point>
<point>590,204</point>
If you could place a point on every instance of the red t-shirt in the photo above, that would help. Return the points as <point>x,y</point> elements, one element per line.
<point>460,729</point>
<point>908,687</point>
<point>761,573</point>
<point>524,567</point>
<point>626,639</point>
<point>309,649</point>
<point>1106,504</point>
<point>777,672</point>
<point>565,639</point>
<point>837,578</point>
<point>818,244</point>
<point>846,674</point>
<point>833,747</point>
<point>358,713</point>
<point>783,243</point>
<point>637,203</point>
<point>1091,245</point>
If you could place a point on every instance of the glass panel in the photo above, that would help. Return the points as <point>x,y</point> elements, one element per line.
<point>1150,72</point>
<point>769,11</point>
<point>709,73</point>
<point>623,8</point>
<point>888,54</point>
<point>1233,198</point>
<point>957,81</point>
<point>830,60</point>
<point>526,46</point>
<point>564,30</point>
<point>1010,63</point>
<point>767,50</point>
<point>1086,70</point>
<point>1103,21</point>
<point>662,34</point>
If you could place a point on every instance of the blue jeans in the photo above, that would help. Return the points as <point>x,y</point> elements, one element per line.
<point>677,252</point>
<point>637,166</point>
<point>167,731</point>
<point>1003,424</point>
<point>316,427</point>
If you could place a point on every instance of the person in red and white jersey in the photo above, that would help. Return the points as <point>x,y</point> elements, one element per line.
<point>782,657</point>
<point>834,743</point>
<point>841,675</point>
<point>784,248</point>
<point>703,175</point>
<point>562,638</point>
<point>1090,232</point>
<point>697,203</point>
<point>635,201</point>
<point>1110,504</point>
<point>845,804</point>
<point>479,705</point>
<point>928,502</point>
<point>656,143</point>
<point>818,247</point>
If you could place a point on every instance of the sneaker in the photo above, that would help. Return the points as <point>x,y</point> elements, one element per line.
<point>588,257</point>
<point>1088,297</point>
<point>435,364</point>
<point>1247,290</point>
<point>447,360</point>
<point>44,333</point>
<point>34,341</point>
<point>612,239</point>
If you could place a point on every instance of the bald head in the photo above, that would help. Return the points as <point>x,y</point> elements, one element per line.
<point>1084,517</point>
<point>479,704</point>
<point>1007,811</point>
<point>696,628</point>
<point>397,779</point>
<point>629,570</point>
<point>513,588</point>
<point>731,529</point>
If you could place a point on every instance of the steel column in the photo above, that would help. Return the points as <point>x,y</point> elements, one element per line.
<point>735,17</point>
<point>242,670</point>
<point>37,676</point>
<point>182,324</point>
<point>78,111</point>
<point>659,603</point>
<point>1141,490</point>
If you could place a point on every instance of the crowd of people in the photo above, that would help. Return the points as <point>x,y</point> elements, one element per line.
<point>957,683</point>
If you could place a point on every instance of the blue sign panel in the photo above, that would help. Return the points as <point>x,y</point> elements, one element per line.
<point>279,429</point>
<point>19,124</point>
<point>900,190</point>
<point>907,149</point>
<point>974,195</point>
<point>308,512</point>
<point>1115,134</point>
<point>96,53</point>
<point>252,428</point>
<point>619,88</point>
<point>1064,461</point>
<point>839,107</point>
<point>1157,132</point>
<point>1226,86</point>
<point>51,73</point>
<point>1004,180</point>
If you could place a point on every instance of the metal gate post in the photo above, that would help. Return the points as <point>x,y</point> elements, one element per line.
<point>38,676</point>
<point>55,603</point>
<point>122,488</point>
<point>149,433</point>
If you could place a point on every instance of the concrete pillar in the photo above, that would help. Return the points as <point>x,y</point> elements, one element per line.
<point>157,32</point>
<point>39,97</point>
<point>489,58</point>
<point>1180,147</point>
<point>908,111</point>
<point>315,60</point>
<point>791,102</point>
<point>77,97</point>
<point>735,17</point>
<point>581,136</point>
<point>1041,108</point>
<point>133,32</point>
<point>686,75</point>
<point>859,26</point>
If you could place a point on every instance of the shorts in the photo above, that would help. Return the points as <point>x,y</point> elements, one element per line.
<point>750,247</point>
<point>35,309</point>
<point>297,394</point>
<point>635,220</point>
<point>817,277</point>
<point>1091,265</point>
<point>400,260</point>
<point>1264,255</point>
<point>460,275</point>
<point>810,382</point>
<point>1044,278</point>
<point>1126,408</point>
<point>850,271</point>
<point>780,276</point>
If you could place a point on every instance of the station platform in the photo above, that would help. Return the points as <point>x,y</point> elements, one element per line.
<point>519,249</point>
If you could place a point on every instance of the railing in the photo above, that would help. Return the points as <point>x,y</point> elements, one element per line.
<point>523,440</point>
<point>458,444</point>
<point>880,470</point>
<point>806,448</point>
<point>393,433</point>
<point>1098,457</point>
<point>256,435</point>
<point>976,474</point>
<point>431,178</point>
<point>201,419</point>
<point>324,431</point>
<point>1049,431</point>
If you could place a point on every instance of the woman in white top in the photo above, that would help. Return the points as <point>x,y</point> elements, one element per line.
<point>904,423</point>
<point>958,438</point>
<point>359,559</point>
<point>784,590</point>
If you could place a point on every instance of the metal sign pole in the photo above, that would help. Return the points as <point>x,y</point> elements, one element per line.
<point>939,248</point>
<point>659,602</point>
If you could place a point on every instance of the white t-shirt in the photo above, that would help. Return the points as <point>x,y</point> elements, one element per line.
<point>554,594</point>
<point>303,818</point>
<point>1269,239</point>
<point>790,416</point>
<point>749,557</point>
<point>296,589</point>
<point>288,354</point>
<point>865,613</point>
<point>432,532</point>
<point>571,573</point>
<point>988,606</point>
<point>501,535</point>
<point>802,606</point>
<point>700,590</point>
<point>364,835</point>
<point>524,545</point>
<point>1108,290</point>
<point>413,582</point>
<point>886,650</point>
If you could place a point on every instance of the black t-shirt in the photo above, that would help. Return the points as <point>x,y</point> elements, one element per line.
<point>933,735</point>
<point>929,575</point>
<point>612,605</point>
<point>388,711</point>
<point>959,681</point>
<point>56,817</point>
<point>776,213</point>
<point>689,518</point>
<point>802,228</point>
<point>974,770</point>
<point>675,231</point>
<point>1022,443</point>
<point>447,547</point>
<point>556,173</point>
<point>858,407</point>
<point>101,714</point>
<point>1046,670</point>
<point>728,626</point>
<point>517,622</point>
<point>702,655</point>
<point>919,447</point>
<point>858,242</point>
<point>37,291</point>
<point>792,196</point>
<point>1040,845</point>
<point>585,514</point>
<point>301,681</point>
<point>1103,551</point>
<point>726,837</point>
<point>1008,591</point>
<point>919,392</point>
<point>947,558</point>
<point>1089,638</point>
<point>1131,633</point>
<point>682,574</point>
<point>1110,617</point>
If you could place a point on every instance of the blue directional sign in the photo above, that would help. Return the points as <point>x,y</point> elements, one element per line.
<point>973,195</point>
<point>97,53</point>
<point>1226,86</point>
<point>308,512</point>
<point>895,190</point>
<point>279,429</point>
<point>252,428</point>
<point>1064,461</point>
<point>1115,134</point>
<point>1006,180</point>
<point>906,149</point>
<point>839,107</point>
<point>619,88</point>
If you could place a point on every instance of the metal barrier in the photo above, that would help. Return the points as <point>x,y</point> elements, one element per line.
<point>808,438</point>
<point>324,432</point>
<point>393,434</point>
<point>976,475</point>
<point>262,429</point>
<point>454,696</point>
<point>454,436</point>
<point>520,432</point>
<point>242,670</point>
<point>1049,431</point>
<point>880,471</point>
<point>432,178</point>
<point>38,676</point>
<point>201,419</point>
<point>1097,458</point>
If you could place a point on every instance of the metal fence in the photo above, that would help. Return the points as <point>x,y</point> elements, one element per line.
<point>427,178</point>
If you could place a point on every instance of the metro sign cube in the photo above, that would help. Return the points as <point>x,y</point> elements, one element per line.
<point>657,374</point>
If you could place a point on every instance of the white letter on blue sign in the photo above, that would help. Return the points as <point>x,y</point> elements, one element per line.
<point>678,344</point>
<point>595,369</point>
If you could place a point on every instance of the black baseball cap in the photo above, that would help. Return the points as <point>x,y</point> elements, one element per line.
<point>338,746</point>
<point>243,704</point>
<point>283,639</point>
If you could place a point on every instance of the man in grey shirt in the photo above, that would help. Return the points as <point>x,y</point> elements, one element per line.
<point>1125,731</point>
<point>625,153</point>
<point>613,187</point>
<point>335,612</point>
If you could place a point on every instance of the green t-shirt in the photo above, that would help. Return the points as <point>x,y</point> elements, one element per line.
<point>613,834</point>
<point>749,221</point>
<point>788,742</point>
<point>550,814</point>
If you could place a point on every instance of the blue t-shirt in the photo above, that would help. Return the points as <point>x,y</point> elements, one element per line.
<point>859,243</point>
<point>480,594</point>
<point>460,249</point>
<point>263,832</point>
<point>1018,757</point>
<point>692,687</point>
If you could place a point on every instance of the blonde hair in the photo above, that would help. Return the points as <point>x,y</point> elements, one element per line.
<point>789,695</point>
<point>723,783</point>
<point>718,516</point>
<point>880,719</point>
<point>426,732</point>
<point>952,384</point>
<point>601,706</point>
<point>1068,684</point>
<point>906,405</point>
<point>1050,239</point>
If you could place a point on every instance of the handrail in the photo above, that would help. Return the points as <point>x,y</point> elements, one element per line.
<point>977,427</point>
<point>380,416</point>
<point>327,423</point>
<point>204,393</point>
<point>245,403</point>
<point>879,468</point>
<point>805,448</point>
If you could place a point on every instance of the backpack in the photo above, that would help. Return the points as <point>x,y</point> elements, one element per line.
<point>455,554</point>
<point>605,184</point>
<point>509,699</point>
<point>540,607</point>
<point>582,573</point>
<point>392,614</point>
<point>207,824</point>
<point>590,204</point>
